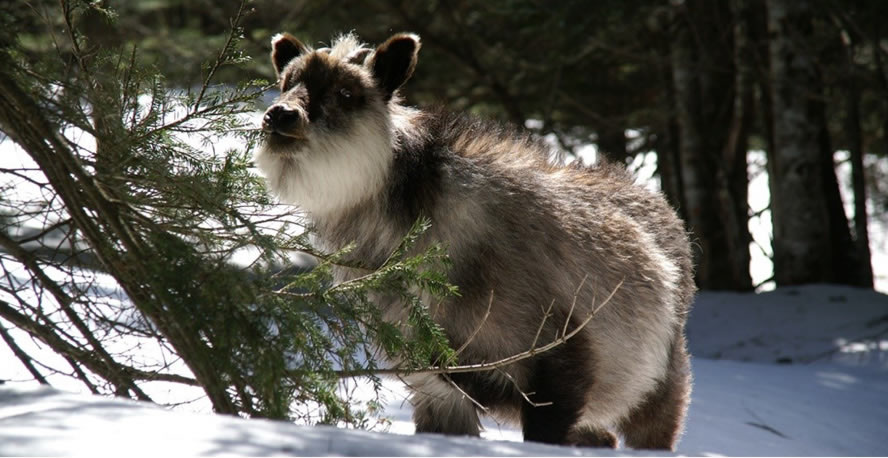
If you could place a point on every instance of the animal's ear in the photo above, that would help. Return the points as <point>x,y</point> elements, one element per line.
<point>284,48</point>
<point>393,62</point>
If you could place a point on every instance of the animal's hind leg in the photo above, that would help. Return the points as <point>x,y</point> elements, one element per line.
<point>547,421</point>
<point>556,424</point>
<point>438,407</point>
<point>558,388</point>
<point>657,422</point>
<point>585,436</point>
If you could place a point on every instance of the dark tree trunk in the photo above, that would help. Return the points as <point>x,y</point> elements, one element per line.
<point>799,213</point>
<point>812,241</point>
<point>735,192</point>
<point>712,144</point>
<point>668,156</point>
<point>855,147</point>
<point>854,139</point>
<point>846,263</point>
<point>100,220</point>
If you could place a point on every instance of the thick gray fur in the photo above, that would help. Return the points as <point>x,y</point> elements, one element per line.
<point>529,234</point>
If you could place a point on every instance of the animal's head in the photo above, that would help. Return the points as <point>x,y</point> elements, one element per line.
<point>325,91</point>
<point>329,133</point>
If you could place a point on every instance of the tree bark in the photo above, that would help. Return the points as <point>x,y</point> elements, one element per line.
<point>734,195</point>
<point>854,133</point>
<point>712,145</point>
<point>861,229</point>
<point>811,235</point>
<point>668,155</point>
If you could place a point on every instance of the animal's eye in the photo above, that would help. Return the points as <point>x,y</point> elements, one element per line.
<point>345,93</point>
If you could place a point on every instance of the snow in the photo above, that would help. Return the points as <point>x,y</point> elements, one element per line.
<point>756,409</point>
<point>827,395</point>
<point>793,325</point>
<point>44,421</point>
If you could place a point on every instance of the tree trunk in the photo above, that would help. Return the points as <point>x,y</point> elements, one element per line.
<point>712,145</point>
<point>668,156</point>
<point>854,133</point>
<point>811,236</point>
<point>734,195</point>
<point>861,229</point>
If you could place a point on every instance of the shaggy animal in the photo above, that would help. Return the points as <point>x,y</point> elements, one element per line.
<point>535,236</point>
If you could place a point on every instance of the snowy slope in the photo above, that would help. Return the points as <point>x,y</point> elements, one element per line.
<point>44,421</point>
<point>805,324</point>
<point>835,405</point>
<point>738,409</point>
<point>756,409</point>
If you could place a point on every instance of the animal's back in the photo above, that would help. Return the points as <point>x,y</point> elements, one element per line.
<point>592,215</point>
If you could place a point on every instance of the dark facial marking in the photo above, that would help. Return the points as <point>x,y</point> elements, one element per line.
<point>332,89</point>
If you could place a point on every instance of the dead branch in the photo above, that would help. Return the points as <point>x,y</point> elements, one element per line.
<point>121,381</point>
<point>475,332</point>
<point>574,304</point>
<point>487,366</point>
<point>22,356</point>
<point>524,394</point>
<point>226,49</point>
<point>546,314</point>
<point>467,395</point>
<point>87,358</point>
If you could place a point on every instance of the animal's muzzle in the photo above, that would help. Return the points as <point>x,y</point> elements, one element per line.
<point>285,120</point>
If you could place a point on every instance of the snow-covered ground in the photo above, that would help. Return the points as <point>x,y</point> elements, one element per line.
<point>796,371</point>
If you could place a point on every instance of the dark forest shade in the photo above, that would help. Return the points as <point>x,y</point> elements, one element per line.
<point>591,71</point>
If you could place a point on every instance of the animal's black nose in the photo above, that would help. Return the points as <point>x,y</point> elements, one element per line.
<point>279,116</point>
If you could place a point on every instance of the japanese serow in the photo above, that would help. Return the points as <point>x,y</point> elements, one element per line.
<point>551,244</point>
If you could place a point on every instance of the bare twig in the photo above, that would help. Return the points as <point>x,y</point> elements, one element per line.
<point>234,30</point>
<point>65,301</point>
<point>475,332</point>
<point>546,316</point>
<point>482,367</point>
<point>78,356</point>
<point>524,394</point>
<point>469,397</point>
<point>574,304</point>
